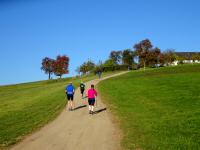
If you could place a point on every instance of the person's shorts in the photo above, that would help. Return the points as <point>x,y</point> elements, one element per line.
<point>82,91</point>
<point>70,97</point>
<point>91,101</point>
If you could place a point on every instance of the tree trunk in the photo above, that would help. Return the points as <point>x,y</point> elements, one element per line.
<point>49,75</point>
<point>144,64</point>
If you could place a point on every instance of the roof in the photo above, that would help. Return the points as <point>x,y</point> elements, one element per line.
<point>187,54</point>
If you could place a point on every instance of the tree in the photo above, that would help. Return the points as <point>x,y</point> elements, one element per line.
<point>142,49</point>
<point>153,56</point>
<point>83,68</point>
<point>169,56</point>
<point>128,57</point>
<point>116,56</point>
<point>47,66</point>
<point>87,66</point>
<point>60,66</point>
<point>161,58</point>
<point>90,65</point>
<point>109,63</point>
<point>99,67</point>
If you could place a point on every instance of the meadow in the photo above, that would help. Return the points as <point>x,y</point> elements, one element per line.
<point>157,109</point>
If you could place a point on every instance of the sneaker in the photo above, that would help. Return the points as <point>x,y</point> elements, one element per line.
<point>90,112</point>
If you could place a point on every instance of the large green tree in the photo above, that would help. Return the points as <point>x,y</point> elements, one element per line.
<point>128,57</point>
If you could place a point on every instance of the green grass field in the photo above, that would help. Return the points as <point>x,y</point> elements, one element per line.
<point>158,109</point>
<point>26,107</point>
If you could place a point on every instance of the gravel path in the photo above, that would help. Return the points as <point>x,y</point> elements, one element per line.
<point>76,130</point>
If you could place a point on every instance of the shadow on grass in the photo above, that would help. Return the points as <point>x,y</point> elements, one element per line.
<point>79,107</point>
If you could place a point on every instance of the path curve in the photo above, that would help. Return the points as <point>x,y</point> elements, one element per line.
<point>76,130</point>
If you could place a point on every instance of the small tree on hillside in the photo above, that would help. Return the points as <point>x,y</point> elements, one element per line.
<point>109,65</point>
<point>142,49</point>
<point>116,56</point>
<point>90,65</point>
<point>87,67</point>
<point>60,66</point>
<point>47,66</point>
<point>99,67</point>
<point>83,68</point>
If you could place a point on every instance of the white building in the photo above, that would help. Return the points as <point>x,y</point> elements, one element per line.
<point>187,58</point>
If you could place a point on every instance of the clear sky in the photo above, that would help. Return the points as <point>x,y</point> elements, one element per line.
<point>33,29</point>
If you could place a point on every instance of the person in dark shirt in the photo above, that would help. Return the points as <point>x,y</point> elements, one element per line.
<point>82,88</point>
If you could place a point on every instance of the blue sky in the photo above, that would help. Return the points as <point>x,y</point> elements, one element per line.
<point>33,29</point>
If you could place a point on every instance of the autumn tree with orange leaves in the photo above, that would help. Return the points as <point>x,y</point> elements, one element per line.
<point>58,66</point>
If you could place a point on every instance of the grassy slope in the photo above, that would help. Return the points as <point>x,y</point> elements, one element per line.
<point>157,109</point>
<point>26,107</point>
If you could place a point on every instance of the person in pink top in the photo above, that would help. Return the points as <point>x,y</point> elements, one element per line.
<point>92,94</point>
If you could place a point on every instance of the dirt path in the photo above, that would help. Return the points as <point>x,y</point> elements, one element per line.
<point>76,130</point>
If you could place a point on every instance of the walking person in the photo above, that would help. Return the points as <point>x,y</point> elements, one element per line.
<point>99,73</point>
<point>92,94</point>
<point>70,90</point>
<point>82,88</point>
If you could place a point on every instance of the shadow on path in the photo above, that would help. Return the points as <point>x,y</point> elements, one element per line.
<point>79,107</point>
<point>84,97</point>
<point>100,110</point>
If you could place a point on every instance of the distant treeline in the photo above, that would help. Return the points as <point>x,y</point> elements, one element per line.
<point>142,55</point>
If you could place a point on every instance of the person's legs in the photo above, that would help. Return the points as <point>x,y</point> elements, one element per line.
<point>89,105</point>
<point>71,105</point>
<point>92,108</point>
<point>72,102</point>
<point>92,105</point>
<point>68,103</point>
<point>89,108</point>
<point>82,91</point>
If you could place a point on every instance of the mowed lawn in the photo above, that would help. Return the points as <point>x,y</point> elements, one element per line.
<point>27,107</point>
<point>158,109</point>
